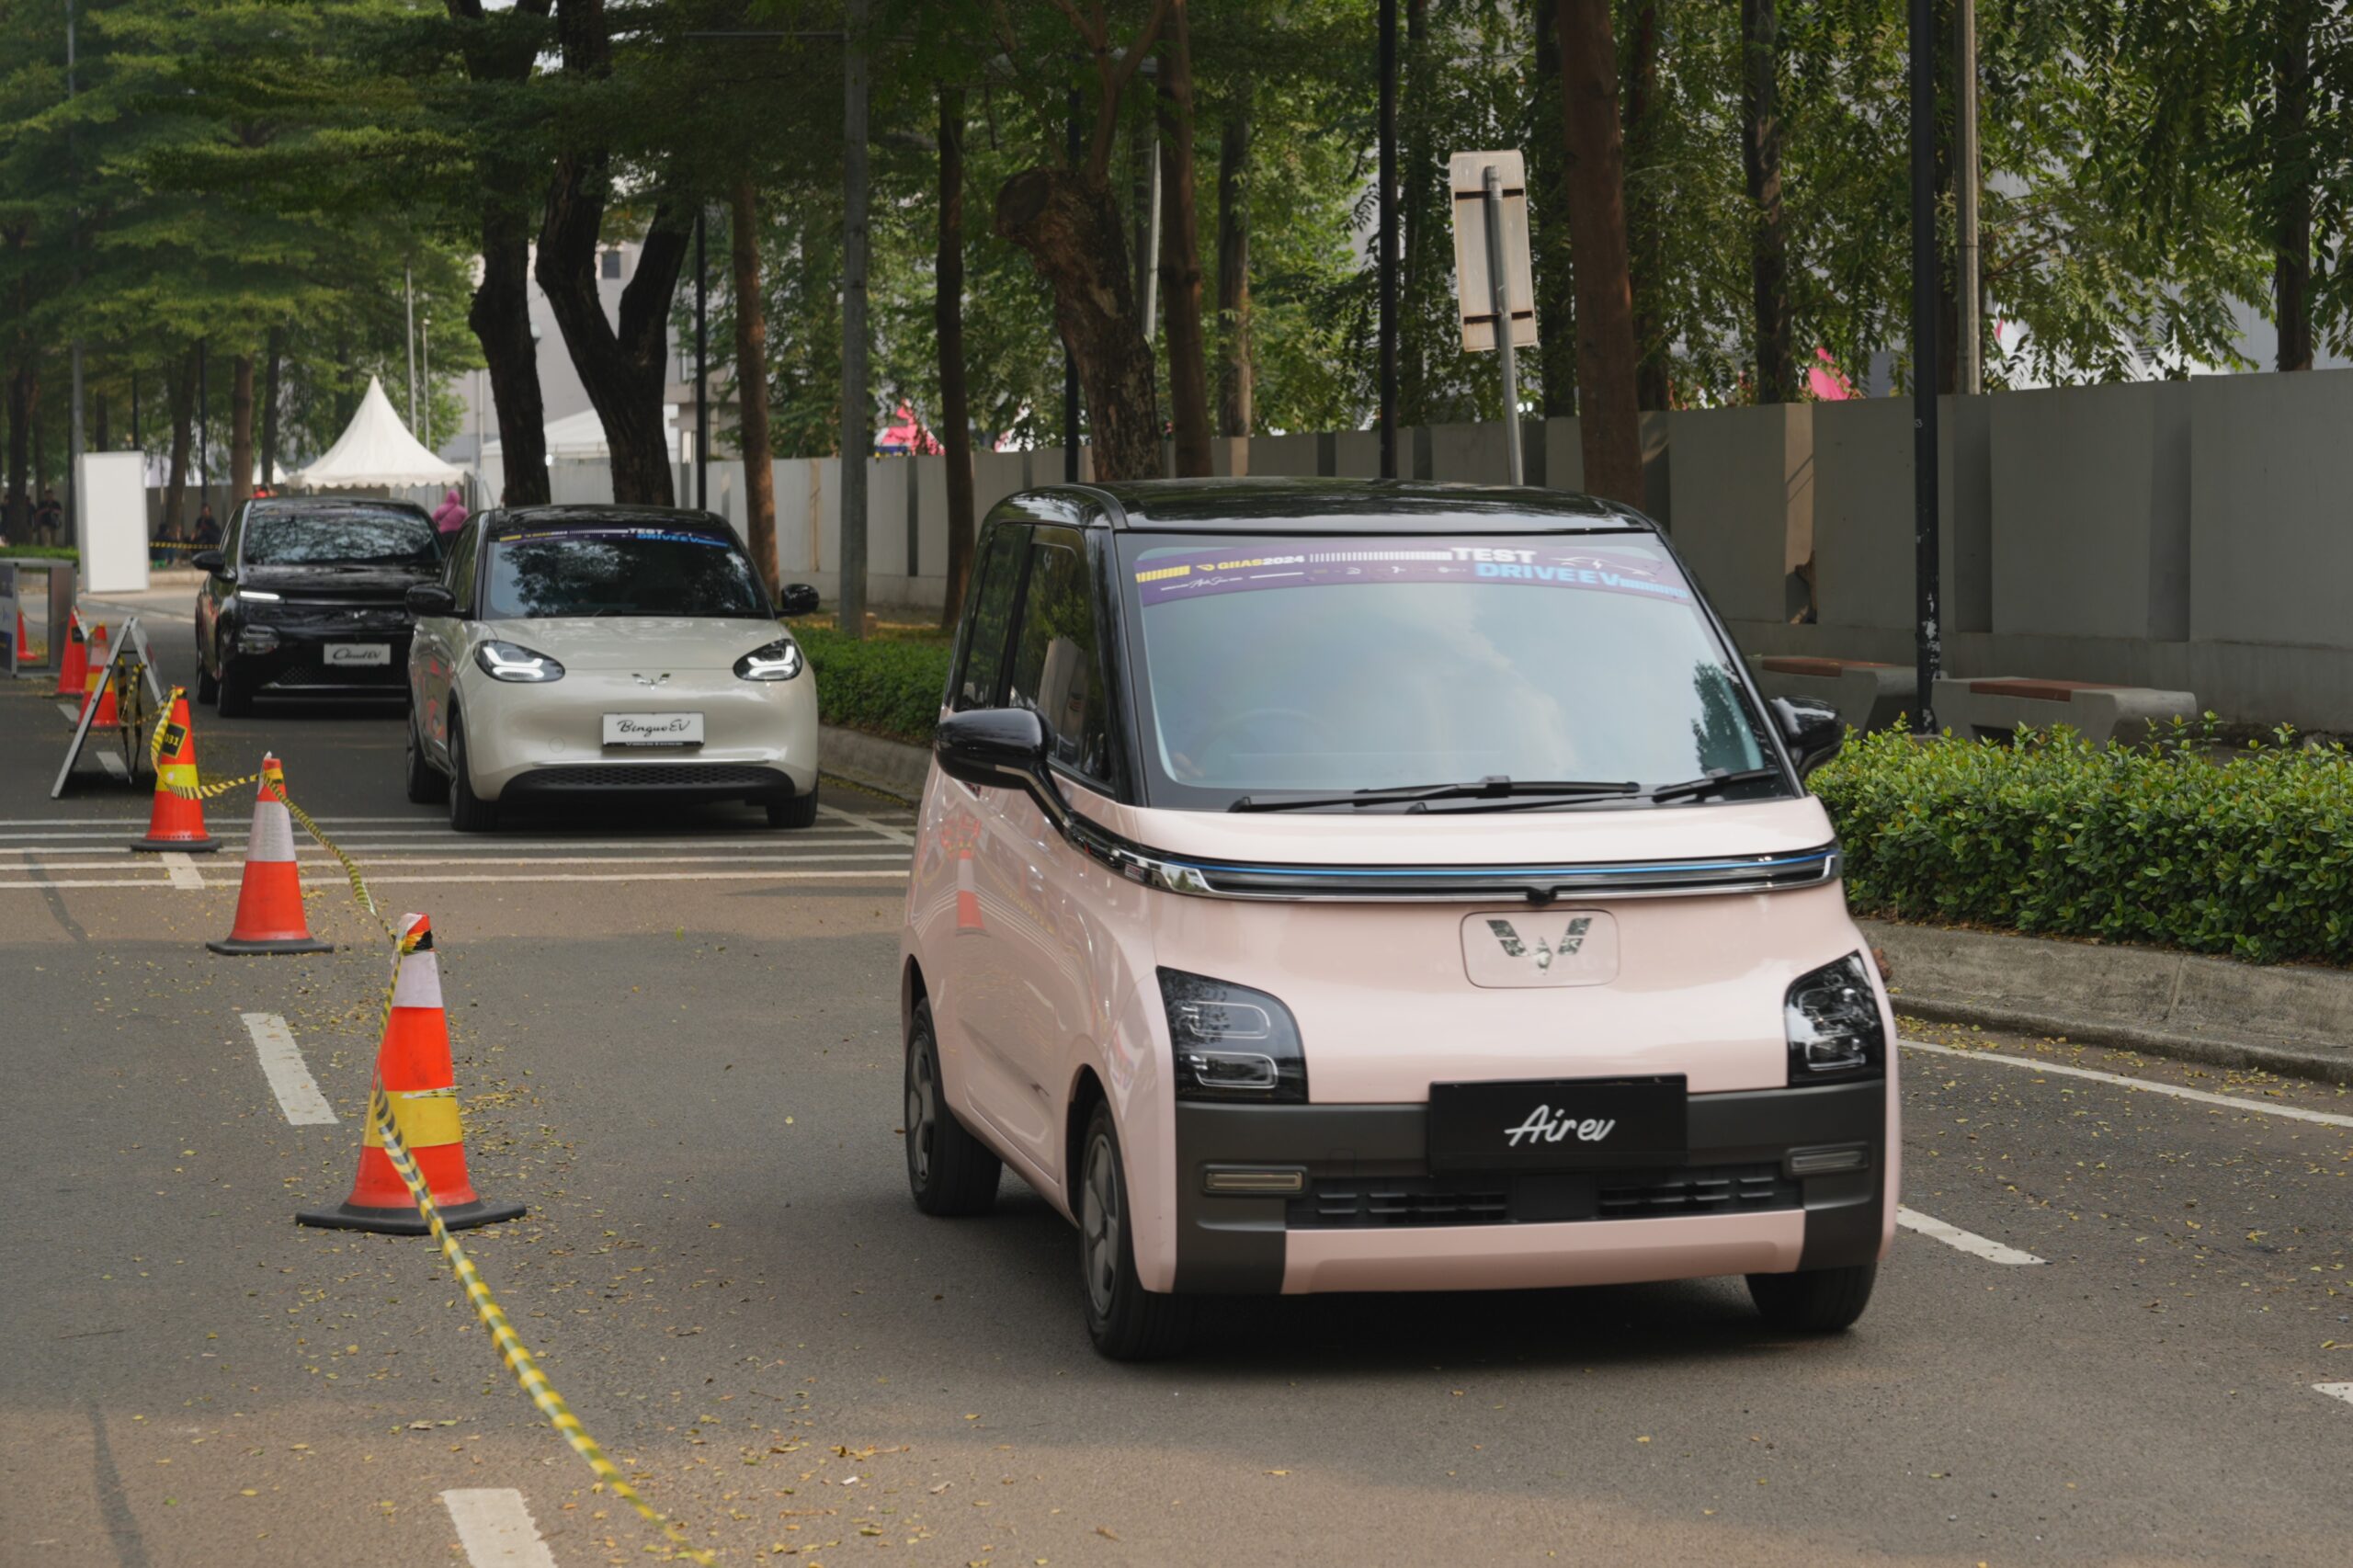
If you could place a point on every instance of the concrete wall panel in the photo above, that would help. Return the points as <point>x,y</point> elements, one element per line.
<point>2272,514</point>
<point>1742,483</point>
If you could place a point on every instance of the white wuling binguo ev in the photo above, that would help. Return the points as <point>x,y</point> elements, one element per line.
<point>589,652</point>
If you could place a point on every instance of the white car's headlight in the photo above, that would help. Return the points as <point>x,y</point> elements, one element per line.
<point>779,660</point>
<point>510,661</point>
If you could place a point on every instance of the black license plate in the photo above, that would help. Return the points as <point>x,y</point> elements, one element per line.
<point>1556,1124</point>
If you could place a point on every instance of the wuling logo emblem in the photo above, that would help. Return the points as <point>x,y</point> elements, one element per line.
<point>1513,946</point>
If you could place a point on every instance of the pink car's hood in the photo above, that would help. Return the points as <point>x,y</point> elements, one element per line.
<point>1499,838</point>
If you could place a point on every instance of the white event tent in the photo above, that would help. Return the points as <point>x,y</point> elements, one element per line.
<point>375,450</point>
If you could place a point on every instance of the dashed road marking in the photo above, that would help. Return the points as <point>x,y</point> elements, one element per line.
<point>182,867</point>
<point>290,1077</point>
<point>869,824</point>
<point>494,1526</point>
<point>73,711</point>
<point>2336,1390</point>
<point>2204,1097</point>
<point>113,765</point>
<point>1968,1242</point>
<point>776,876</point>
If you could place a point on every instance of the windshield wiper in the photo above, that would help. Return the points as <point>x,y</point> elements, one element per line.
<point>1692,789</point>
<point>1497,786</point>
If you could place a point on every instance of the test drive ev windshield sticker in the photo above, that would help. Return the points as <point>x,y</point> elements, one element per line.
<point>1164,576</point>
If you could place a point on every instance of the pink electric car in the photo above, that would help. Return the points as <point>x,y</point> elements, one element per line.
<point>1345,886</point>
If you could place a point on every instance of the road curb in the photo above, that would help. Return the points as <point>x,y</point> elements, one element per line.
<point>890,767</point>
<point>2293,1020</point>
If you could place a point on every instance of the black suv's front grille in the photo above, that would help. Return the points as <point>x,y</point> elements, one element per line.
<point>1379,1202</point>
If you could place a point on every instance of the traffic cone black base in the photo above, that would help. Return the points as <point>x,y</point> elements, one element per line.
<point>407,1221</point>
<point>185,846</point>
<point>233,947</point>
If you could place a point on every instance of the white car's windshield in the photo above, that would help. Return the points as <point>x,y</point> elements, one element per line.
<point>619,571</point>
<point>1276,665</point>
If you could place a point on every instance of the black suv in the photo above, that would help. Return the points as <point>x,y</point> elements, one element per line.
<point>303,598</point>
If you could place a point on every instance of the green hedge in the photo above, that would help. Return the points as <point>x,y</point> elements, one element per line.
<point>2249,855</point>
<point>884,685</point>
<point>40,552</point>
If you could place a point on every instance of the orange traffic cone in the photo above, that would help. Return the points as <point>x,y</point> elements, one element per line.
<point>968,900</point>
<point>269,901</point>
<point>412,1066</point>
<point>176,821</point>
<point>99,690</point>
<point>74,668</point>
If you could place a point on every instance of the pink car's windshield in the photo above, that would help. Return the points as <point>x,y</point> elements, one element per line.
<point>1272,665</point>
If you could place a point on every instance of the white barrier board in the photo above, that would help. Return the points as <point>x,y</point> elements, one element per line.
<point>110,493</point>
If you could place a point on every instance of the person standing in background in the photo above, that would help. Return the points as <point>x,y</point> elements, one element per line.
<point>450,516</point>
<point>49,516</point>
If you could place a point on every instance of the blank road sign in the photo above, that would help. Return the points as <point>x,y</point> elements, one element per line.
<point>1467,173</point>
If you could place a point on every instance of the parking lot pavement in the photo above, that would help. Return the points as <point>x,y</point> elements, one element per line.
<point>693,1080</point>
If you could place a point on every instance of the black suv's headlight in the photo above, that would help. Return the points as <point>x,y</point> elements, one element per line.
<point>779,660</point>
<point>1232,1043</point>
<point>1831,1017</point>
<point>512,661</point>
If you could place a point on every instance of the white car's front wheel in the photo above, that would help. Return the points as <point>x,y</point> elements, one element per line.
<point>468,813</point>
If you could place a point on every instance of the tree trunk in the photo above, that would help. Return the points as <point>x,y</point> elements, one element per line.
<point>1556,314</point>
<point>501,312</point>
<point>947,318</point>
<point>2291,261</point>
<point>1645,220</point>
<point>1611,422</point>
<point>270,397</point>
<point>241,431</point>
<point>1069,225</point>
<point>1415,177</point>
<point>1180,256</point>
<point>180,393</point>
<point>1235,378</point>
<point>752,380</point>
<point>100,435</point>
<point>623,369</point>
<point>1761,149</point>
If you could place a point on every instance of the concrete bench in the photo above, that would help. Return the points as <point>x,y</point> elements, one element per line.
<point>1868,696</point>
<point>1993,706</point>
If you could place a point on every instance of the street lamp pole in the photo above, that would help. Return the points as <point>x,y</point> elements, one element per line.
<point>1069,360</point>
<point>1928,650</point>
<point>1388,265</point>
<point>858,414</point>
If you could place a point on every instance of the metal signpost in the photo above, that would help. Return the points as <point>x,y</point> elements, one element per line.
<point>1493,282</point>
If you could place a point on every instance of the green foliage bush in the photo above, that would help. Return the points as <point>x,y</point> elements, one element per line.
<point>884,685</point>
<point>40,552</point>
<point>2249,856</point>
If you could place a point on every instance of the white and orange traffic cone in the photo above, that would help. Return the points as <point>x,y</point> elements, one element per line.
<point>269,901</point>
<point>413,1068</point>
<point>95,676</point>
<point>74,667</point>
<point>176,818</point>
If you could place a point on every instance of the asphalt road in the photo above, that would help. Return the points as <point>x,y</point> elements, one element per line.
<point>678,1044</point>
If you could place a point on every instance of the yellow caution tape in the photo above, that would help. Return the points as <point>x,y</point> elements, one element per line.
<point>510,1344</point>
<point>425,1119</point>
<point>156,749</point>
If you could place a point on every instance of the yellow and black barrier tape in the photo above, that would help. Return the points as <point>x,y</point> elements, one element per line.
<point>156,749</point>
<point>518,1356</point>
<point>510,1344</point>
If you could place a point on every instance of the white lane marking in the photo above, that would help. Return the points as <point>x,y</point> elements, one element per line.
<point>182,867</point>
<point>383,838</point>
<point>1967,1241</point>
<point>869,851</point>
<point>2236,1102</point>
<point>869,824</point>
<point>374,880</point>
<point>2336,1390</point>
<point>73,711</point>
<point>113,765</point>
<point>494,1526</point>
<point>116,883</point>
<point>289,1078</point>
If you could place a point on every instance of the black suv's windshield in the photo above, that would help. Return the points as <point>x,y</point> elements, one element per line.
<point>341,536</point>
<point>621,569</point>
<point>1506,672</point>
